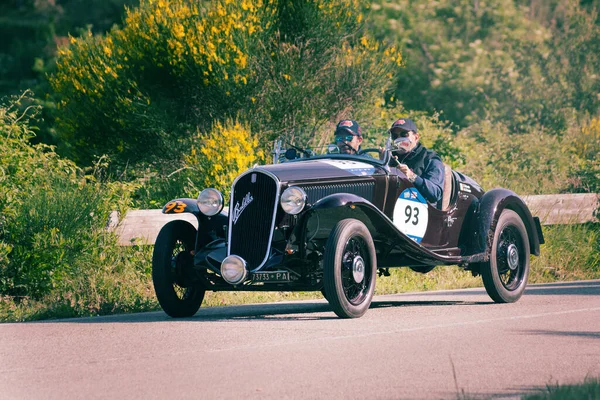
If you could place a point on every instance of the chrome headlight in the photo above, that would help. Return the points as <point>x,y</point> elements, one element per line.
<point>293,200</point>
<point>233,269</point>
<point>210,202</point>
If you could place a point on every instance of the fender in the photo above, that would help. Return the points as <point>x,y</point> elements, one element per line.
<point>353,206</point>
<point>209,228</point>
<point>183,205</point>
<point>386,235</point>
<point>491,205</point>
<point>338,200</point>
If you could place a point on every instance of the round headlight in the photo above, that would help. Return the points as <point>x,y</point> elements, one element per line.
<point>293,200</point>
<point>210,202</point>
<point>233,269</point>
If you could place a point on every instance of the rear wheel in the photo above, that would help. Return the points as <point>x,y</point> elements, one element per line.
<point>349,269</point>
<point>505,274</point>
<point>177,290</point>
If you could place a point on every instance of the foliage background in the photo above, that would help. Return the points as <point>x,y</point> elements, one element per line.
<point>135,106</point>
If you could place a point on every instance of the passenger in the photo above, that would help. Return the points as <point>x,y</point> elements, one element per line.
<point>423,167</point>
<point>348,136</point>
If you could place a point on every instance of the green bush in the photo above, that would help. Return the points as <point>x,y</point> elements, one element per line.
<point>585,173</point>
<point>53,244</point>
<point>522,64</point>
<point>531,163</point>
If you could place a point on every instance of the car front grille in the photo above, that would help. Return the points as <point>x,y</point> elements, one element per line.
<point>252,212</point>
<point>317,192</point>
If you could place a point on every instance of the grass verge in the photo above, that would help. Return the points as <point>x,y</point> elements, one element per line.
<point>571,252</point>
<point>589,389</point>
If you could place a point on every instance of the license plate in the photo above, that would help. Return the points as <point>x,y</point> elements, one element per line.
<point>271,276</point>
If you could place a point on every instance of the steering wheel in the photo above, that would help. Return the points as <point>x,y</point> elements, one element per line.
<point>365,151</point>
<point>340,146</point>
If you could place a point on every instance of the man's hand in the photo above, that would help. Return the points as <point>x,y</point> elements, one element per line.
<point>408,172</point>
<point>393,161</point>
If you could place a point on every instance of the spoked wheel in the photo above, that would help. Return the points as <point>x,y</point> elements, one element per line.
<point>505,274</point>
<point>349,269</point>
<point>177,290</point>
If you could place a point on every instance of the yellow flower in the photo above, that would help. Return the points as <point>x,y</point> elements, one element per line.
<point>178,31</point>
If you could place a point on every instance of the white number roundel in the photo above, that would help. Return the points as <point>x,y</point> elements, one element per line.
<point>411,214</point>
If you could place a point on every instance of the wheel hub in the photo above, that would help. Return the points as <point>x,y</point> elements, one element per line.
<point>358,269</point>
<point>181,272</point>
<point>512,256</point>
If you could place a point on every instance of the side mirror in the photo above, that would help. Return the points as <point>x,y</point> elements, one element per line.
<point>291,154</point>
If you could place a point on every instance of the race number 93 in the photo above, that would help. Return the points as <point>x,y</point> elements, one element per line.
<point>175,207</point>
<point>411,214</point>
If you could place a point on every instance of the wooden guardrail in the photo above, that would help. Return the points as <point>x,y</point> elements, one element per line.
<point>142,226</point>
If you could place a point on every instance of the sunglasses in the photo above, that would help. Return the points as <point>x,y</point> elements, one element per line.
<point>344,138</point>
<point>398,134</point>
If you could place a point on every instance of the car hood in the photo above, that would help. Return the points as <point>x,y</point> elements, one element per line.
<point>321,169</point>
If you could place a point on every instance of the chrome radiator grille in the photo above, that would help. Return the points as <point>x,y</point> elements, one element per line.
<point>252,212</point>
<point>362,189</point>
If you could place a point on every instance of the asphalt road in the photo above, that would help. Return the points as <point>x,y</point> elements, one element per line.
<point>425,345</point>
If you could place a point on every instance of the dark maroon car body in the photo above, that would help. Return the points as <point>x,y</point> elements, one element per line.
<point>286,252</point>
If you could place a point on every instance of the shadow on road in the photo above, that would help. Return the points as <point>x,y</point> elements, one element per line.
<point>320,309</point>
<point>582,334</point>
<point>388,303</point>
<point>317,310</point>
<point>591,288</point>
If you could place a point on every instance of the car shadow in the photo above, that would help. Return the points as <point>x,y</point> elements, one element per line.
<point>396,303</point>
<point>579,334</point>
<point>590,288</point>
<point>296,311</point>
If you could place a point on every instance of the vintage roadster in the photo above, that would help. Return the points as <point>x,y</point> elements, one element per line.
<point>332,222</point>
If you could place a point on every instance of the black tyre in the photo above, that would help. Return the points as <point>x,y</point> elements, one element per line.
<point>324,294</point>
<point>505,274</point>
<point>177,290</point>
<point>349,269</point>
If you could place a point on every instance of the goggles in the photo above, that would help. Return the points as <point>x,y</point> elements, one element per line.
<point>344,138</point>
<point>399,133</point>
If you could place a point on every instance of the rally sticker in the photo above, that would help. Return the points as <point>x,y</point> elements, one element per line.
<point>411,214</point>
<point>354,167</point>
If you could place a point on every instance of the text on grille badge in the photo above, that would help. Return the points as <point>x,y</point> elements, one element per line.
<point>238,209</point>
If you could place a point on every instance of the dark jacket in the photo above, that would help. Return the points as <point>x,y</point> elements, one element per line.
<point>430,173</point>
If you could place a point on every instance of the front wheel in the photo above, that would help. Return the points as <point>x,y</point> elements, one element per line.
<point>505,274</point>
<point>349,269</point>
<point>177,290</point>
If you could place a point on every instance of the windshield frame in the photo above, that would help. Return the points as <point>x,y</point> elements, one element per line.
<point>344,156</point>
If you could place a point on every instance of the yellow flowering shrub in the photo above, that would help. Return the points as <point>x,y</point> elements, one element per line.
<point>113,89</point>
<point>220,155</point>
<point>174,67</point>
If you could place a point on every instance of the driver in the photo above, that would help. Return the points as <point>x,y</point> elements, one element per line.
<point>348,136</point>
<point>422,167</point>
